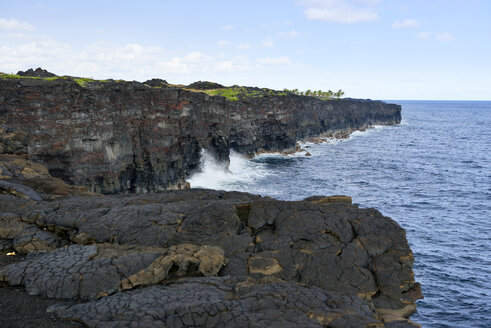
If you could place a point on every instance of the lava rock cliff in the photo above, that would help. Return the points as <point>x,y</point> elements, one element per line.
<point>130,137</point>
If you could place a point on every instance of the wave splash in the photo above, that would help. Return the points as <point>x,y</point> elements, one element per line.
<point>244,174</point>
<point>238,175</point>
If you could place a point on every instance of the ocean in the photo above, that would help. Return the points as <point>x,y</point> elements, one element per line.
<point>431,174</point>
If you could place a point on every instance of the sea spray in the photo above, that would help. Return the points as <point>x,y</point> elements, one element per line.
<point>238,175</point>
<point>242,173</point>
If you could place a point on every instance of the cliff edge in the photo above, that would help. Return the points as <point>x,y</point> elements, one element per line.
<point>130,137</point>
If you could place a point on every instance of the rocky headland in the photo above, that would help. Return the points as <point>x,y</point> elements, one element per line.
<point>142,256</point>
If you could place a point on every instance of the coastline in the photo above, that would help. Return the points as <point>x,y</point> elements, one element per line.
<point>325,137</point>
<point>327,259</point>
<point>130,137</point>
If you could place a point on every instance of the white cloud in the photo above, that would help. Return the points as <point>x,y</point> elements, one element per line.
<point>243,46</point>
<point>236,65</point>
<point>196,57</point>
<point>445,37</point>
<point>222,43</point>
<point>104,60</point>
<point>283,60</point>
<point>289,35</point>
<point>14,25</point>
<point>424,35</point>
<point>267,44</point>
<point>341,11</point>
<point>228,27</point>
<point>407,23</point>
<point>442,37</point>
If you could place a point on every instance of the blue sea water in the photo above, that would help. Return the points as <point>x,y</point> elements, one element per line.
<point>431,173</point>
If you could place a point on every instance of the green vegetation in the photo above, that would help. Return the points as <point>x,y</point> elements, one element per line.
<point>232,93</point>
<point>236,92</point>
<point>15,76</point>
<point>82,81</point>
<point>324,95</point>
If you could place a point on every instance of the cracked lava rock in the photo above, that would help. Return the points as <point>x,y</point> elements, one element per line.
<point>205,258</point>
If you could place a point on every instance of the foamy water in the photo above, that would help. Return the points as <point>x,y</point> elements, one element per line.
<point>240,174</point>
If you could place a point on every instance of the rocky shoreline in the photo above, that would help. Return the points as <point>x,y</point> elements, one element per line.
<point>142,256</point>
<point>201,257</point>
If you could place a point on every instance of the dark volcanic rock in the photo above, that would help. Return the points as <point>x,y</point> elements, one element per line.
<point>17,189</point>
<point>24,178</point>
<point>39,72</point>
<point>156,83</point>
<point>284,253</point>
<point>94,271</point>
<point>115,136</point>
<point>205,85</point>
<point>224,302</point>
<point>150,259</point>
<point>130,137</point>
<point>274,123</point>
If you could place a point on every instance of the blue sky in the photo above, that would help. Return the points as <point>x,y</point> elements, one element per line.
<point>379,49</point>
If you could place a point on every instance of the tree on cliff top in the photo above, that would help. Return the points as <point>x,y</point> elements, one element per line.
<point>324,95</point>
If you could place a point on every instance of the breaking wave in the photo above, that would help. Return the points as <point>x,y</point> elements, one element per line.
<point>239,175</point>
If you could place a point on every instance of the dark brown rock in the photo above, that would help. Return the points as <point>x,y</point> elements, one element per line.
<point>114,136</point>
<point>38,72</point>
<point>275,123</point>
<point>129,137</point>
<point>205,85</point>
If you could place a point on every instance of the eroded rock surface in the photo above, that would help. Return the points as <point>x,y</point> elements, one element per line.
<point>22,177</point>
<point>178,261</point>
<point>224,302</point>
<point>156,242</point>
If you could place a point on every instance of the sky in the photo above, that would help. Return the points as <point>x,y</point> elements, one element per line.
<point>377,49</point>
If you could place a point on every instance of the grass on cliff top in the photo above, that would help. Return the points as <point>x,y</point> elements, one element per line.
<point>15,76</point>
<point>235,92</point>
<point>82,81</point>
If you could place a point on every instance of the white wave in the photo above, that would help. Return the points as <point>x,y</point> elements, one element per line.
<point>368,131</point>
<point>217,175</point>
<point>282,155</point>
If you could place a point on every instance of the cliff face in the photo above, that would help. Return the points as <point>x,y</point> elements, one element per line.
<point>130,137</point>
<point>277,122</point>
<point>115,137</point>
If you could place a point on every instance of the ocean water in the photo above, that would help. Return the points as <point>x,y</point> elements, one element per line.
<point>431,173</point>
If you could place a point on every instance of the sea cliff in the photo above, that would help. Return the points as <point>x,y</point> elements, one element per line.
<point>130,137</point>
<point>148,257</point>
